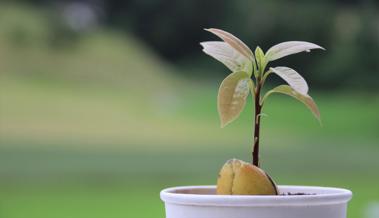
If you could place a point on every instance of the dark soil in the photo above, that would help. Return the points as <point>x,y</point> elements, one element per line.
<point>297,193</point>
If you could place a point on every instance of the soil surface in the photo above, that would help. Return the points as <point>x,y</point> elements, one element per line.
<point>297,193</point>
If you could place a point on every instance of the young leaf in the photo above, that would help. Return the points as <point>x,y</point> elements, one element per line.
<point>233,42</point>
<point>261,59</point>
<point>306,99</point>
<point>227,55</point>
<point>287,48</point>
<point>293,78</point>
<point>232,96</point>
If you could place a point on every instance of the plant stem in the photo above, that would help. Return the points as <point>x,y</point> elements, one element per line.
<point>257,123</point>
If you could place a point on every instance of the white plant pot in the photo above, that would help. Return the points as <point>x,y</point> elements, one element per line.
<point>202,202</point>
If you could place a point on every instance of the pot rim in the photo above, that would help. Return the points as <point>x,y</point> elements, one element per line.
<point>320,196</point>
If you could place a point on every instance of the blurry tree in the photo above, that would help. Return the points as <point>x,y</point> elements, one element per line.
<point>348,29</point>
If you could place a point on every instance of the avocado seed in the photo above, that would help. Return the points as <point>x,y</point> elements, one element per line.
<point>241,178</point>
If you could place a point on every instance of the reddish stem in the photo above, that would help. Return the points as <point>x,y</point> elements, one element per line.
<point>257,123</point>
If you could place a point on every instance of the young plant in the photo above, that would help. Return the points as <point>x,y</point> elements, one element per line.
<point>248,75</point>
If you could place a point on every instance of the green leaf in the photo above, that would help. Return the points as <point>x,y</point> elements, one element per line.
<point>227,55</point>
<point>287,48</point>
<point>306,99</point>
<point>232,96</point>
<point>234,42</point>
<point>261,59</point>
<point>293,78</point>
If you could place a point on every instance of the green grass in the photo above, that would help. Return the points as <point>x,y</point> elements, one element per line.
<point>81,202</point>
<point>30,109</point>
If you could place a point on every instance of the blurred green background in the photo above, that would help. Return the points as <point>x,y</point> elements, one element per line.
<point>105,103</point>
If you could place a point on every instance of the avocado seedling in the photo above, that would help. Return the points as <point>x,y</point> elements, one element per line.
<point>249,72</point>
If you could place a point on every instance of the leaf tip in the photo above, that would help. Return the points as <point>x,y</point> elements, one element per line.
<point>209,29</point>
<point>223,122</point>
<point>320,122</point>
<point>319,47</point>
